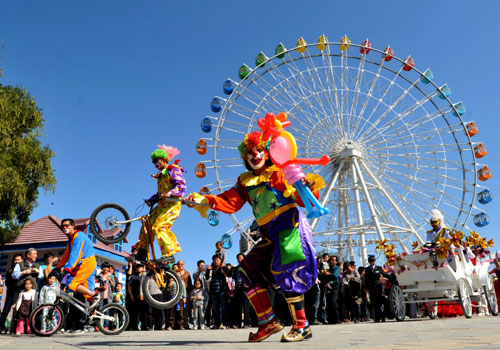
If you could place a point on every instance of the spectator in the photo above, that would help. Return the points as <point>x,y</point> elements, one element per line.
<point>28,268</point>
<point>374,277</point>
<point>132,311</point>
<point>49,261</point>
<point>221,252</point>
<point>364,312</point>
<point>177,312</point>
<point>105,283</point>
<point>12,292</point>
<point>114,277</point>
<point>323,272</point>
<point>352,291</point>
<point>119,295</point>
<point>188,283</point>
<point>197,300</point>
<point>158,314</point>
<point>240,304</point>
<point>332,290</point>
<point>201,275</point>
<point>341,299</point>
<point>25,303</point>
<point>134,294</point>
<point>496,269</point>
<point>217,274</point>
<point>145,311</point>
<point>48,295</point>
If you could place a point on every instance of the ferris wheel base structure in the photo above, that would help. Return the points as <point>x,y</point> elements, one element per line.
<point>398,145</point>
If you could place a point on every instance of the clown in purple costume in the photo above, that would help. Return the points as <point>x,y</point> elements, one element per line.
<point>285,256</point>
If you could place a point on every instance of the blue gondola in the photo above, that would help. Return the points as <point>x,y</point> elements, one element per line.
<point>445,92</point>
<point>227,241</point>
<point>460,108</point>
<point>216,105</point>
<point>427,77</point>
<point>481,219</point>
<point>206,125</point>
<point>484,197</point>
<point>213,218</point>
<point>228,87</point>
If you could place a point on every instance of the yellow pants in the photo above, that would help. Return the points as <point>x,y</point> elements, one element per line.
<point>162,219</point>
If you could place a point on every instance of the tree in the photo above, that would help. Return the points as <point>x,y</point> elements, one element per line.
<point>24,162</point>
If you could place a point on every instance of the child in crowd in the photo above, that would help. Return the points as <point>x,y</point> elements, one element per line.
<point>23,307</point>
<point>220,251</point>
<point>118,295</point>
<point>48,295</point>
<point>197,298</point>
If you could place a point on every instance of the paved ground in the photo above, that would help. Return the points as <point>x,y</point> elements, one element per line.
<point>452,333</point>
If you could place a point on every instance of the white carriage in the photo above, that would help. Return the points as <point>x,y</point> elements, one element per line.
<point>426,278</point>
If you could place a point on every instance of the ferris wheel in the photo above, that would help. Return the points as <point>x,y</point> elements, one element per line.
<point>398,144</point>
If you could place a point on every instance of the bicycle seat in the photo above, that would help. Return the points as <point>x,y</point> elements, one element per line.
<point>165,260</point>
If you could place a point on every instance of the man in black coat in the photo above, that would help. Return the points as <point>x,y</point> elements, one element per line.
<point>374,277</point>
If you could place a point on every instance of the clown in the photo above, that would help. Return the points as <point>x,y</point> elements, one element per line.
<point>285,256</point>
<point>171,184</point>
<point>438,229</point>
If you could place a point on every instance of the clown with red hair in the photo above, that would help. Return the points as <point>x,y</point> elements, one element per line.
<point>171,184</point>
<point>285,256</point>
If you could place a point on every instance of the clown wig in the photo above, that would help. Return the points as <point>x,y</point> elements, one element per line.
<point>164,152</point>
<point>250,141</point>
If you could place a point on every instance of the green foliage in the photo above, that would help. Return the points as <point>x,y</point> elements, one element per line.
<point>24,161</point>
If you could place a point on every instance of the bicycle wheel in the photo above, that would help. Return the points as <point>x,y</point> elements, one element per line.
<point>159,296</point>
<point>118,324</point>
<point>103,223</point>
<point>46,320</point>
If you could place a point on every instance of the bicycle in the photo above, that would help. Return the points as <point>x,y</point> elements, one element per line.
<point>110,223</point>
<point>47,319</point>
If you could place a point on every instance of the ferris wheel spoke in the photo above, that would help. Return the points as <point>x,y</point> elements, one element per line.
<point>405,128</point>
<point>431,199</point>
<point>418,104</point>
<point>378,103</point>
<point>329,78</point>
<point>278,101</point>
<point>317,84</point>
<point>280,77</point>
<point>295,104</point>
<point>357,93</point>
<point>430,185</point>
<point>390,109</point>
<point>368,96</point>
<point>418,157</point>
<point>434,174</point>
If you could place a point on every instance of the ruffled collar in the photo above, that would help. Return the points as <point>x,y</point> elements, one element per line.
<point>250,179</point>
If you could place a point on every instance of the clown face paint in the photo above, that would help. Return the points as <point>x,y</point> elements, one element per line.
<point>256,157</point>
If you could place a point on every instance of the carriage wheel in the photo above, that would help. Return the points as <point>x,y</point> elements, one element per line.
<point>397,302</point>
<point>464,297</point>
<point>491,298</point>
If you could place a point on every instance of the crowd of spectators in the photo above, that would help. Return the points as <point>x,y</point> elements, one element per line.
<point>212,296</point>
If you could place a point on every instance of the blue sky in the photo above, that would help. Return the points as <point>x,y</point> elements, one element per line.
<point>116,78</point>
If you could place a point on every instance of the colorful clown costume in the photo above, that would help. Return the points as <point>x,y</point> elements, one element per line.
<point>285,256</point>
<point>170,181</point>
<point>79,260</point>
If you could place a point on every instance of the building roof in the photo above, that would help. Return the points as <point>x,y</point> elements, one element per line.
<point>47,229</point>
